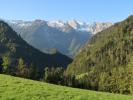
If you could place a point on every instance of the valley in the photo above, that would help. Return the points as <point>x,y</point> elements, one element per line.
<point>66,50</point>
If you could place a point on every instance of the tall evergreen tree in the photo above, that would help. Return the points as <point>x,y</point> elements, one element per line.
<point>6,64</point>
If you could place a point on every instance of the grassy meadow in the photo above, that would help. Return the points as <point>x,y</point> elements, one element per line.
<point>14,88</point>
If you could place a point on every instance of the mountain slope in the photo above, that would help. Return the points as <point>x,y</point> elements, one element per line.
<point>106,50</point>
<point>67,37</point>
<point>15,47</point>
<point>13,88</point>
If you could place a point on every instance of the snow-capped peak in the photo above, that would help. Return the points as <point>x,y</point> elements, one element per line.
<point>57,24</point>
<point>21,23</point>
<point>73,23</point>
<point>66,26</point>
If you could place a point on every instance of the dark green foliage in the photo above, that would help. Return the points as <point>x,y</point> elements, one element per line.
<point>53,75</point>
<point>120,80</point>
<point>34,72</point>
<point>69,80</point>
<point>103,63</point>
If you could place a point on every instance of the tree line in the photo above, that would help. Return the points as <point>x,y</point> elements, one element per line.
<point>116,80</point>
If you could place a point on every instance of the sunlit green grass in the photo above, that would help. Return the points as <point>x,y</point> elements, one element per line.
<point>13,88</point>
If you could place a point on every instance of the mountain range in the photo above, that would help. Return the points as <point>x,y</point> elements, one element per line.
<point>14,47</point>
<point>50,36</point>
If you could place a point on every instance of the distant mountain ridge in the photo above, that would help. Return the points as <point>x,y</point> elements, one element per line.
<point>67,37</point>
<point>77,25</point>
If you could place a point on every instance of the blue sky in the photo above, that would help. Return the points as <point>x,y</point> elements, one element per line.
<point>82,10</point>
